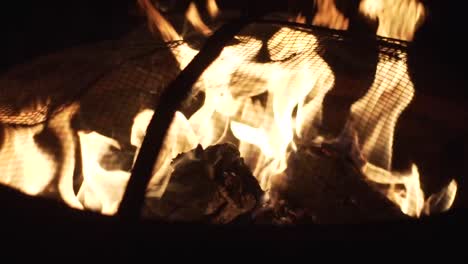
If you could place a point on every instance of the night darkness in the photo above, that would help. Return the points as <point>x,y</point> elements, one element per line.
<point>34,28</point>
<point>38,27</point>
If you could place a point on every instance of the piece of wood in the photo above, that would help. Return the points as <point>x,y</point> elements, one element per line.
<point>329,190</point>
<point>210,185</point>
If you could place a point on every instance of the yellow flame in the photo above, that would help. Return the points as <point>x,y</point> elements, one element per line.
<point>157,22</point>
<point>60,125</point>
<point>328,15</point>
<point>443,200</point>
<point>374,118</point>
<point>29,173</point>
<point>397,18</point>
<point>377,113</point>
<point>193,16</point>
<point>411,198</point>
<point>267,132</point>
<point>101,189</point>
<point>212,8</point>
<point>300,18</point>
<point>34,169</point>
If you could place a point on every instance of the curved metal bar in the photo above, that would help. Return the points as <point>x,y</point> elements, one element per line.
<point>170,101</point>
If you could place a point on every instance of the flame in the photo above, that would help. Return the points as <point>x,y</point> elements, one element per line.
<point>300,18</point>
<point>43,170</point>
<point>328,15</point>
<point>267,109</point>
<point>22,171</point>
<point>376,114</point>
<point>101,189</point>
<point>397,18</point>
<point>157,22</point>
<point>373,119</point>
<point>411,198</point>
<point>268,132</point>
<point>193,16</point>
<point>180,138</point>
<point>212,8</point>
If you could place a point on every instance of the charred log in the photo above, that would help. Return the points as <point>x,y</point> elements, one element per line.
<point>325,188</point>
<point>210,185</point>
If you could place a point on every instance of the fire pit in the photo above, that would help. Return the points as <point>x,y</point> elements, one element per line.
<point>266,123</point>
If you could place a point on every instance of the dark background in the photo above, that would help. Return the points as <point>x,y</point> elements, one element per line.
<point>31,28</point>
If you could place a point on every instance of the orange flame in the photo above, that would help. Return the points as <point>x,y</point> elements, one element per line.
<point>193,16</point>
<point>20,171</point>
<point>328,15</point>
<point>375,130</point>
<point>101,189</point>
<point>267,132</point>
<point>157,22</point>
<point>299,19</point>
<point>212,8</point>
<point>411,198</point>
<point>397,18</point>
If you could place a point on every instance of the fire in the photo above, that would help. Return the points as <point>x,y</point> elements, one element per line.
<point>268,132</point>
<point>101,189</point>
<point>397,19</point>
<point>375,135</point>
<point>387,99</point>
<point>42,170</point>
<point>193,16</point>
<point>212,8</point>
<point>157,22</point>
<point>266,108</point>
<point>20,171</point>
<point>328,15</point>
<point>405,191</point>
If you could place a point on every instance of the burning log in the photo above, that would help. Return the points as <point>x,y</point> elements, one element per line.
<point>209,185</point>
<point>214,185</point>
<point>326,188</point>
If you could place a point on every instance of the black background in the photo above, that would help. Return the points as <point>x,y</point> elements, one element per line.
<point>31,28</point>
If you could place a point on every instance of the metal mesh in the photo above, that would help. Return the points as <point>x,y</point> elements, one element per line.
<point>344,80</point>
<point>113,82</point>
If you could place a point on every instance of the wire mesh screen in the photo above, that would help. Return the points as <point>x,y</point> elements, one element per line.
<point>275,91</point>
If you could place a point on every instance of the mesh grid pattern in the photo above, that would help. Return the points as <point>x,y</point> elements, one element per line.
<point>259,69</point>
<point>310,62</point>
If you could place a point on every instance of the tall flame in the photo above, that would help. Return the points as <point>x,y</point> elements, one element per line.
<point>328,15</point>
<point>266,107</point>
<point>373,118</point>
<point>376,113</point>
<point>397,18</point>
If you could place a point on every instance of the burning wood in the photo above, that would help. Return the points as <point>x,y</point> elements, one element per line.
<point>210,185</point>
<point>254,147</point>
